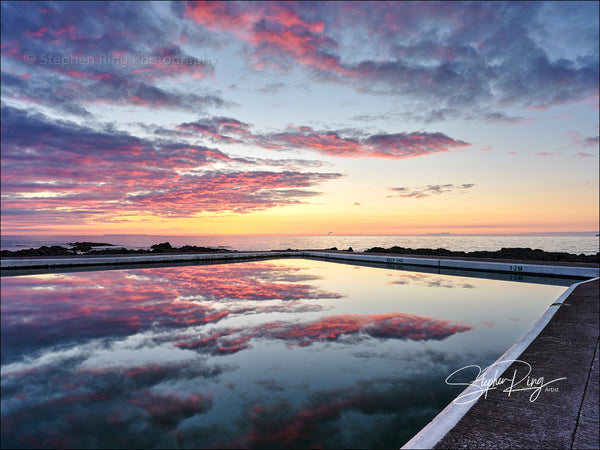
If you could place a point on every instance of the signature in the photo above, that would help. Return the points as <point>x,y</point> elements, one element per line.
<point>489,379</point>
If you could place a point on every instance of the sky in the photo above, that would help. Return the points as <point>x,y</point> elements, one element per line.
<point>200,118</point>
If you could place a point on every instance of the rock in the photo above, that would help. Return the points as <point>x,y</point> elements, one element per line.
<point>162,247</point>
<point>54,250</point>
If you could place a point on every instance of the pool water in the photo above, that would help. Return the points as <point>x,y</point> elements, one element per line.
<point>288,353</point>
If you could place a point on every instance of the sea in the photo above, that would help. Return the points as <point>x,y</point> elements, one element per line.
<point>588,243</point>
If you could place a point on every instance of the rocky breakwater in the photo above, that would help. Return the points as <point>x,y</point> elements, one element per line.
<point>87,248</point>
<point>516,253</point>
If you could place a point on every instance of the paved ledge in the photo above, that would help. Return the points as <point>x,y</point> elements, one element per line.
<point>562,344</point>
<point>127,259</point>
<point>513,267</point>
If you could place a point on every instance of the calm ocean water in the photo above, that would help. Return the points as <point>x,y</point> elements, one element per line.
<point>577,244</point>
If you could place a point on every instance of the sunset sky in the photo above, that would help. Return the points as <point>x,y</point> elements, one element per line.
<point>299,118</point>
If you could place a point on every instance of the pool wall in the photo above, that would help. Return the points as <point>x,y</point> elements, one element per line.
<point>511,267</point>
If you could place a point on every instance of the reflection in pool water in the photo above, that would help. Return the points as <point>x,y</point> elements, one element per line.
<point>281,353</point>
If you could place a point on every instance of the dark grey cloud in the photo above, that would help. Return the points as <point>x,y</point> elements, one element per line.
<point>425,54</point>
<point>101,52</point>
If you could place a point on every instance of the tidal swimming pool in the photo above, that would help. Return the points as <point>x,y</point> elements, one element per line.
<point>286,353</point>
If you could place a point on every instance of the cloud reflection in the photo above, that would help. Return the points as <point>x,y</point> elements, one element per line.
<point>373,413</point>
<point>328,329</point>
<point>61,406</point>
<point>44,310</point>
<point>430,281</point>
<point>152,362</point>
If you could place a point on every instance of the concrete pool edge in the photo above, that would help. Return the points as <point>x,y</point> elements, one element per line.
<point>396,261</point>
<point>93,260</point>
<point>450,416</point>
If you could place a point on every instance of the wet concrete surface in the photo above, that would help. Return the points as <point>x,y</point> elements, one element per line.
<point>564,414</point>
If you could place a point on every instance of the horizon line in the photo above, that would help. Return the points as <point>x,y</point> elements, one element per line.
<point>441,234</point>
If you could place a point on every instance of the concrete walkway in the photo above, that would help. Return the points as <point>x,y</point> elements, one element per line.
<point>565,414</point>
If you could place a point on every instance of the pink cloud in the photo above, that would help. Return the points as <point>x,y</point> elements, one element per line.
<point>11,48</point>
<point>222,16</point>
<point>275,31</point>
<point>77,74</point>
<point>330,328</point>
<point>103,175</point>
<point>290,430</point>
<point>220,129</point>
<point>329,143</point>
<point>239,192</point>
<point>402,145</point>
<point>575,139</point>
<point>390,146</point>
<point>38,33</point>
